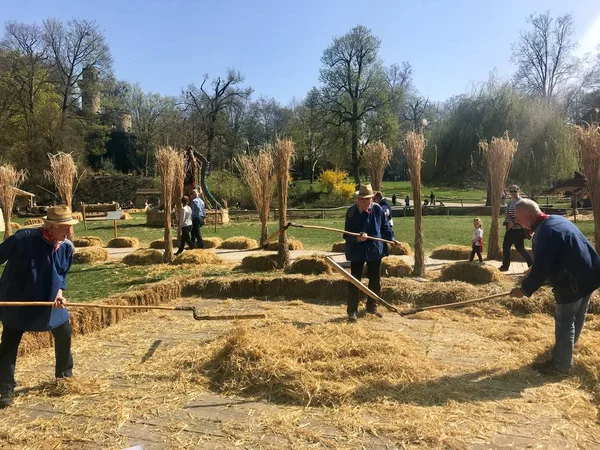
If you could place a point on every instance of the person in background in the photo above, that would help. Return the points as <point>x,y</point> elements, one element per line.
<point>368,219</point>
<point>198,216</point>
<point>185,225</point>
<point>378,198</point>
<point>407,201</point>
<point>515,235</point>
<point>564,257</point>
<point>37,264</point>
<point>394,199</point>
<point>432,198</point>
<point>477,240</point>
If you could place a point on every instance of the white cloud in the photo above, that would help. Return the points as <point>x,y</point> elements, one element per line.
<point>590,39</point>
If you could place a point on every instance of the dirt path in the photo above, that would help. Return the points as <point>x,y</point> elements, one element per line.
<point>119,400</point>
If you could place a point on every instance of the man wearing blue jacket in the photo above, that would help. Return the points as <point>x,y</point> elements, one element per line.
<point>368,219</point>
<point>563,256</point>
<point>38,261</point>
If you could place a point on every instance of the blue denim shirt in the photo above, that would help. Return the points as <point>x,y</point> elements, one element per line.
<point>197,208</point>
<point>372,222</point>
<point>563,256</point>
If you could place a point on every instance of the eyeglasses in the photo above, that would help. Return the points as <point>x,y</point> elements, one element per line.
<point>513,192</point>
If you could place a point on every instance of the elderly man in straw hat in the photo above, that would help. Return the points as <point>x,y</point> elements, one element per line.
<point>38,261</point>
<point>368,219</point>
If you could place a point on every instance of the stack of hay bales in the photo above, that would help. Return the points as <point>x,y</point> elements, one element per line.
<point>452,252</point>
<point>394,266</point>
<point>88,241</point>
<point>123,242</point>
<point>259,263</point>
<point>293,244</point>
<point>471,272</point>
<point>309,265</point>
<point>34,221</point>
<point>197,257</point>
<point>212,242</point>
<point>143,257</point>
<point>90,255</point>
<point>239,243</point>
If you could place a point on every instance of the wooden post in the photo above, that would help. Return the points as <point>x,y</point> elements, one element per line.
<point>83,213</point>
<point>216,218</point>
<point>115,225</point>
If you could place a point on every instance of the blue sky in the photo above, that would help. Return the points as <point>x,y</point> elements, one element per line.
<point>167,44</point>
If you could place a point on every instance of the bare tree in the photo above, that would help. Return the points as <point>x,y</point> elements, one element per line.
<point>311,128</point>
<point>414,111</point>
<point>544,55</point>
<point>74,48</point>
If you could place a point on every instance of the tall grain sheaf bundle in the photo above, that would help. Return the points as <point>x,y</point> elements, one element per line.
<point>257,172</point>
<point>62,173</point>
<point>284,151</point>
<point>10,178</point>
<point>499,154</point>
<point>588,138</point>
<point>377,157</point>
<point>168,162</point>
<point>179,179</point>
<point>414,143</point>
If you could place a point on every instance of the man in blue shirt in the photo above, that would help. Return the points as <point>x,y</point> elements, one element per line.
<point>368,219</point>
<point>198,216</point>
<point>563,256</point>
<point>37,265</point>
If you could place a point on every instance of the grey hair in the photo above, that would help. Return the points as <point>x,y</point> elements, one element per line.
<point>195,191</point>
<point>528,206</point>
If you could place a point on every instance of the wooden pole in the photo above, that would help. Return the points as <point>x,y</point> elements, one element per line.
<point>84,220</point>
<point>115,225</point>
<point>453,305</point>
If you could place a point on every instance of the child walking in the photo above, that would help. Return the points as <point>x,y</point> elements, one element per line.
<point>477,240</point>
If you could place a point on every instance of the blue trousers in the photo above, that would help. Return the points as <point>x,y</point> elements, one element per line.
<point>568,323</point>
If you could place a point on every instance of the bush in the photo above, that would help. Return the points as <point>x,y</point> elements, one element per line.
<point>225,185</point>
<point>331,179</point>
<point>346,190</point>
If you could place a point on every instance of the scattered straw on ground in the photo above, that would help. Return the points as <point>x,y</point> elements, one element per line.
<point>212,242</point>
<point>309,265</point>
<point>239,243</point>
<point>123,242</point>
<point>339,247</point>
<point>394,266</point>
<point>259,263</point>
<point>88,241</point>
<point>471,272</point>
<point>400,249</point>
<point>143,257</point>
<point>197,256</point>
<point>90,255</point>
<point>454,252</point>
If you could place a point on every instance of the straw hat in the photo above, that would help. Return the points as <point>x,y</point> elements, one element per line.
<point>60,215</point>
<point>365,191</point>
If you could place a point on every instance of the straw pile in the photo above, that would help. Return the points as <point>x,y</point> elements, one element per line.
<point>88,241</point>
<point>123,242</point>
<point>239,243</point>
<point>282,156</point>
<point>35,221</point>
<point>515,256</point>
<point>394,266</point>
<point>292,244</point>
<point>320,365</point>
<point>15,226</point>
<point>499,154</point>
<point>260,263</point>
<point>376,157</point>
<point>90,255</point>
<point>258,173</point>
<point>309,265</point>
<point>126,216</point>
<point>588,139</point>
<point>455,252</point>
<point>63,172</point>
<point>10,178</point>
<point>143,257</point>
<point>159,244</point>
<point>197,257</point>
<point>170,168</point>
<point>414,143</point>
<point>339,247</point>
<point>400,249</point>
<point>212,242</point>
<point>471,272</point>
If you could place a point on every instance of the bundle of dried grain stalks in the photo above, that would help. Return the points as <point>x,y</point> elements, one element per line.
<point>499,154</point>
<point>63,172</point>
<point>376,157</point>
<point>282,156</point>
<point>10,179</point>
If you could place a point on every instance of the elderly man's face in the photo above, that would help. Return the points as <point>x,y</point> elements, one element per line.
<point>524,218</point>
<point>363,203</point>
<point>60,232</point>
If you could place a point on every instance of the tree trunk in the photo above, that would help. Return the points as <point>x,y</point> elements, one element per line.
<point>264,229</point>
<point>494,239</point>
<point>7,224</point>
<point>168,255</point>
<point>419,269</point>
<point>283,252</point>
<point>355,159</point>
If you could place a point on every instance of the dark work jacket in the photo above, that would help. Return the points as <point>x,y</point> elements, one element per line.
<point>564,257</point>
<point>34,272</point>
<point>374,224</point>
<point>386,209</point>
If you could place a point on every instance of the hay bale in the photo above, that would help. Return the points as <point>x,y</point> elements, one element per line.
<point>400,249</point>
<point>212,242</point>
<point>293,244</point>
<point>309,265</point>
<point>259,263</point>
<point>453,252</point>
<point>406,290</point>
<point>143,257</point>
<point>35,221</point>
<point>90,255</point>
<point>471,272</point>
<point>88,241</point>
<point>339,247</point>
<point>78,216</point>
<point>394,266</point>
<point>126,216</point>
<point>197,257</point>
<point>123,242</point>
<point>159,244</point>
<point>239,243</point>
<point>15,225</point>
